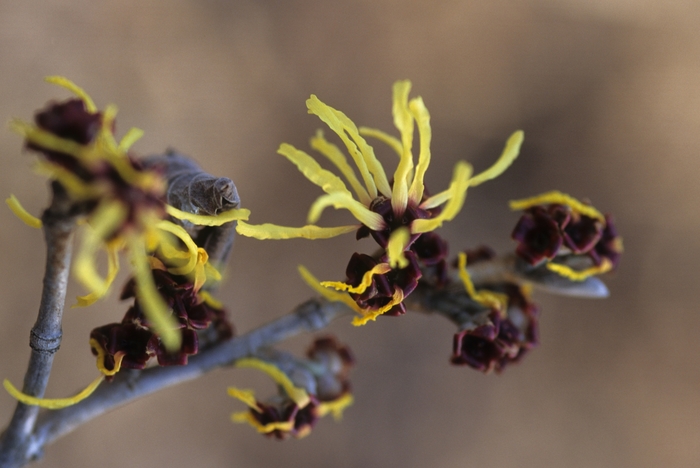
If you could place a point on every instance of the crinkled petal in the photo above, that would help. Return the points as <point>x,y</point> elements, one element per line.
<point>556,197</point>
<point>312,170</point>
<point>333,153</point>
<point>247,417</point>
<point>205,220</point>
<point>510,152</point>
<point>181,233</point>
<point>336,407</point>
<point>19,211</point>
<point>272,231</point>
<point>101,354</point>
<point>333,296</point>
<point>372,315</point>
<point>574,275</point>
<point>297,394</point>
<point>338,200</point>
<point>458,193</point>
<point>379,269</point>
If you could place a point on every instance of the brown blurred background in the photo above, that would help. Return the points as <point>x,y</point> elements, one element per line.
<point>608,93</point>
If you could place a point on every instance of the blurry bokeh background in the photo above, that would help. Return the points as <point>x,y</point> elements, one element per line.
<point>608,93</point>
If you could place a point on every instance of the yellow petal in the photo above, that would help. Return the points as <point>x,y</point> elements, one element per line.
<point>336,407</point>
<point>19,211</point>
<point>131,137</point>
<point>403,120</point>
<point>112,270</point>
<point>329,182</point>
<point>390,140</point>
<point>490,299</point>
<point>247,417</point>
<point>332,296</point>
<point>181,234</point>
<point>458,191</point>
<point>373,314</point>
<point>510,152</point>
<point>75,89</point>
<point>333,153</point>
<point>75,186</point>
<point>272,231</point>
<point>379,269</point>
<point>298,395</point>
<point>557,198</point>
<point>204,220</point>
<point>47,139</point>
<point>339,200</point>
<point>396,246</point>
<point>154,307</point>
<point>50,403</point>
<point>107,217</point>
<point>420,113</point>
<point>210,300</point>
<point>246,396</point>
<point>101,353</point>
<point>574,275</point>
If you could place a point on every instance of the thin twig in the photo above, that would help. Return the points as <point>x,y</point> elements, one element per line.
<point>45,336</point>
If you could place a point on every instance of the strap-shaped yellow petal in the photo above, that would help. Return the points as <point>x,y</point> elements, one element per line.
<point>154,307</point>
<point>398,241</point>
<point>403,120</point>
<point>574,275</point>
<point>19,211</point>
<point>205,220</point>
<point>297,394</point>
<point>458,193</point>
<point>331,118</point>
<point>393,142</point>
<point>379,269</point>
<point>246,396</point>
<point>112,270</point>
<point>336,407</point>
<point>247,417</point>
<point>510,152</point>
<point>556,197</point>
<point>333,296</point>
<point>209,300</point>
<point>46,139</point>
<point>334,155</point>
<point>490,299</point>
<point>339,200</point>
<point>183,235</point>
<point>132,136</point>
<point>422,116</point>
<point>76,187</point>
<point>372,315</point>
<point>272,231</point>
<point>107,218</point>
<point>312,170</point>
<point>75,89</point>
<point>52,403</point>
